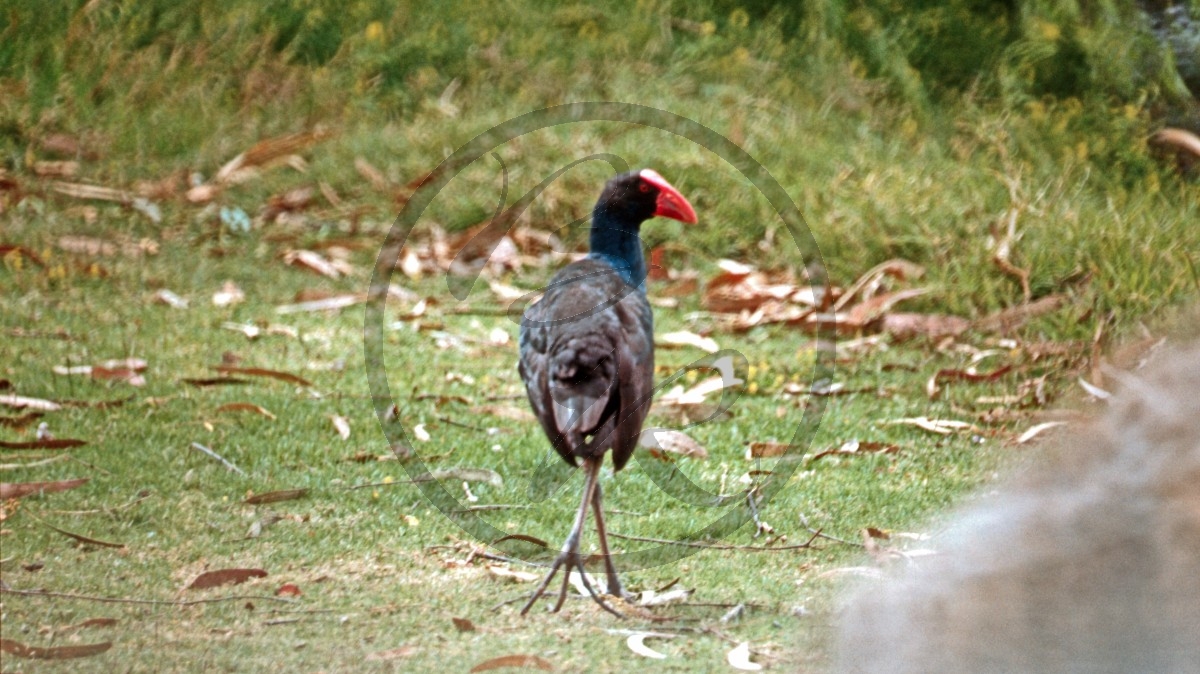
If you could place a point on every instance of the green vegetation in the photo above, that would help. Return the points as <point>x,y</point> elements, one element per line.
<point>895,135</point>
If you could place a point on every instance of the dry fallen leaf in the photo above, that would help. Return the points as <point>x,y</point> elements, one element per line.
<point>261,372</point>
<point>229,294</point>
<point>504,412</point>
<point>21,402</point>
<point>66,145</point>
<point>867,285</point>
<point>1038,430</point>
<point>164,296</point>
<point>969,375</point>
<point>463,625</point>
<point>56,169</point>
<point>90,245</point>
<point>740,288</point>
<point>637,643</point>
<point>225,577</point>
<point>341,425</point>
<point>393,653</point>
<point>696,394</point>
<point>371,174</point>
<point>323,304</point>
<point>522,661</point>
<point>315,262</point>
<point>246,407</point>
<point>505,573</point>
<point>903,326</point>
<point>421,434</point>
<point>20,489</point>
<point>739,658</point>
<point>90,623</point>
<point>288,590</point>
<point>685,338</point>
<point>276,496</point>
<point>268,152</point>
<point>854,447</point>
<point>1093,390</point>
<point>762,450</point>
<point>44,443</point>
<point>20,650</point>
<point>940,426</point>
<point>653,598</point>
<point>675,442</point>
<point>869,310</point>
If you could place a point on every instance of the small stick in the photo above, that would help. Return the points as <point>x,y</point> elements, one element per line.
<point>495,506</point>
<point>152,602</point>
<point>199,447</point>
<point>33,464</point>
<point>721,546</point>
<point>817,532</point>
<point>448,420</point>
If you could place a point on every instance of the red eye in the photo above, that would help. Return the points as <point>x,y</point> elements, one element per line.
<point>644,187</point>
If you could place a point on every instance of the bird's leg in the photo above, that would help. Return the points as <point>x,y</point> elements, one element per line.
<point>570,557</point>
<point>610,571</point>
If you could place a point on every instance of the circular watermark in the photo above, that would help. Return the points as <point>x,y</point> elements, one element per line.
<point>725,513</point>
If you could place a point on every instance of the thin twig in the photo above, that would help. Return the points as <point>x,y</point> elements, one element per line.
<point>818,532</point>
<point>720,546</point>
<point>448,420</point>
<point>96,511</point>
<point>33,464</point>
<point>199,447</point>
<point>496,506</point>
<point>89,465</point>
<point>477,311</point>
<point>152,602</point>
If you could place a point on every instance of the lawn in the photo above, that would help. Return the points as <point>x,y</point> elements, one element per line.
<point>369,570</point>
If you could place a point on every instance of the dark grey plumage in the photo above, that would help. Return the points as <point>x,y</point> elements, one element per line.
<point>587,360</point>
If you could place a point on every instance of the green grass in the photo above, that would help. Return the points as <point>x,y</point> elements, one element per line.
<point>878,171</point>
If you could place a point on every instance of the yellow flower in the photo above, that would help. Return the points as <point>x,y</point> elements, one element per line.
<point>708,28</point>
<point>375,31</point>
<point>738,18</point>
<point>1049,31</point>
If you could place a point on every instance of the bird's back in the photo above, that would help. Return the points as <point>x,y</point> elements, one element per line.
<point>587,360</point>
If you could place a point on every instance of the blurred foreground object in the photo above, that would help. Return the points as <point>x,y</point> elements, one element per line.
<point>1089,562</point>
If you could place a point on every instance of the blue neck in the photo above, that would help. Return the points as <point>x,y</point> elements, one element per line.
<point>616,241</point>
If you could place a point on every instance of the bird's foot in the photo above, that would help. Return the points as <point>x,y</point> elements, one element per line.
<point>565,561</point>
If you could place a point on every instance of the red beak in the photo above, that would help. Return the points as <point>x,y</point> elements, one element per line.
<point>671,203</point>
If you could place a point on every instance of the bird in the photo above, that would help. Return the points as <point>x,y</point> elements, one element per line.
<point>587,355</point>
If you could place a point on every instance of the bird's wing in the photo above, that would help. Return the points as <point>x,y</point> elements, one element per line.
<point>635,374</point>
<point>534,368</point>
